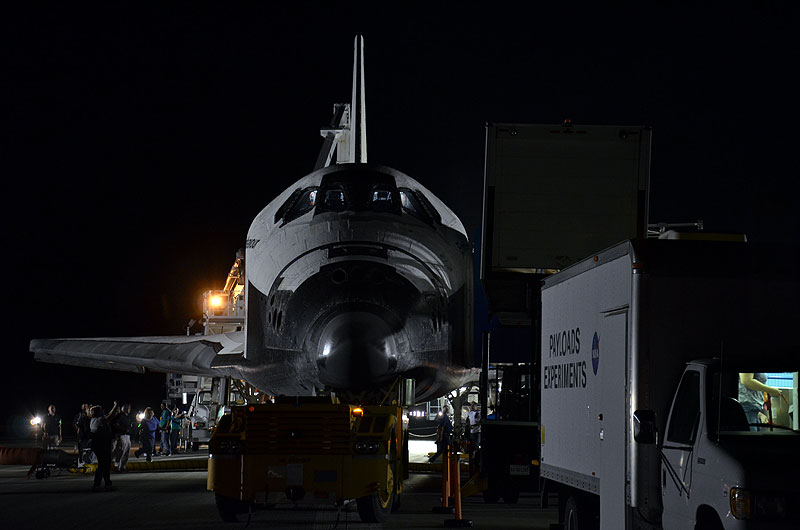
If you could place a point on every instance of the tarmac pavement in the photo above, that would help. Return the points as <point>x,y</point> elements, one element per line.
<point>177,499</point>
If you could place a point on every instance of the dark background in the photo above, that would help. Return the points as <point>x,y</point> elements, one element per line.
<point>139,141</point>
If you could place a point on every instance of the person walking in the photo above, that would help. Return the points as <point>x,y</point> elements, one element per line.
<point>83,429</point>
<point>51,429</point>
<point>474,426</point>
<point>175,429</point>
<point>164,423</point>
<point>445,431</point>
<point>147,437</point>
<point>101,446</point>
<point>122,426</point>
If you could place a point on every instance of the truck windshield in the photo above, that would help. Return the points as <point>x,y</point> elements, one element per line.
<point>754,402</point>
<point>204,398</point>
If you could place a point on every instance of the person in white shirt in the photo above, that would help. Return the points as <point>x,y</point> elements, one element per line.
<point>475,425</point>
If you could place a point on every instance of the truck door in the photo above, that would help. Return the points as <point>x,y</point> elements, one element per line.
<point>613,340</point>
<point>676,469</point>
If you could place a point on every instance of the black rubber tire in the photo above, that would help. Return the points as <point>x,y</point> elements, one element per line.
<point>510,494</point>
<point>370,509</point>
<point>574,518</point>
<point>195,446</point>
<point>396,503</point>
<point>708,520</point>
<point>231,510</point>
<point>491,495</point>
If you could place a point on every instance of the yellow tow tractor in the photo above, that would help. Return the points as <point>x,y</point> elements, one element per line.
<point>309,450</point>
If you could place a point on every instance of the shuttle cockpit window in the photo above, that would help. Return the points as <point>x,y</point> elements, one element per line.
<point>429,207</point>
<point>357,191</point>
<point>408,202</point>
<point>334,200</point>
<point>300,202</point>
<point>382,200</point>
<point>412,204</point>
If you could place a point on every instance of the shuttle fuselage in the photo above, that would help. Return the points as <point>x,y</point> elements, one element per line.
<point>356,275</point>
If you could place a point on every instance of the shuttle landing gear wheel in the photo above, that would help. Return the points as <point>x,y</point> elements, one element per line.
<point>231,510</point>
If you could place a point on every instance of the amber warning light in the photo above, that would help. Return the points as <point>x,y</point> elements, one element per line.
<point>215,301</point>
<point>358,411</point>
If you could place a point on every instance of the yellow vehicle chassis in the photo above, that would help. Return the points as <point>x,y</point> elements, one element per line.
<point>310,452</point>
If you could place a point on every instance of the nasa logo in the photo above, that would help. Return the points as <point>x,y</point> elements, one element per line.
<point>595,352</point>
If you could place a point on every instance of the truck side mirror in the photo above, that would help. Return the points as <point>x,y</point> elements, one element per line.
<point>644,426</point>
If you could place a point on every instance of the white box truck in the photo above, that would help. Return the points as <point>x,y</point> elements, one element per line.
<point>646,420</point>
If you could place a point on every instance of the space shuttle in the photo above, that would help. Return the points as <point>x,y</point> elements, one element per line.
<point>356,276</point>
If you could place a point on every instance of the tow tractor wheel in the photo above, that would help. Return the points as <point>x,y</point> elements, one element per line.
<point>376,508</point>
<point>231,510</point>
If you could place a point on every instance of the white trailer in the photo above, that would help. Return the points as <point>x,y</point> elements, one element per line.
<point>621,331</point>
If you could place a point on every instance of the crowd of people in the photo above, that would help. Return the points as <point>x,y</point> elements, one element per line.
<point>105,438</point>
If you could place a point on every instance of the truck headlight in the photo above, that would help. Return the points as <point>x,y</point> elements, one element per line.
<point>741,503</point>
<point>748,505</point>
<point>36,421</point>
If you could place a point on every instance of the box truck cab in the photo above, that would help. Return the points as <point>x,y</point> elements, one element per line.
<point>724,466</point>
<point>646,421</point>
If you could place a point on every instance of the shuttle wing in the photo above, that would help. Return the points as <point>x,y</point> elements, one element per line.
<point>214,355</point>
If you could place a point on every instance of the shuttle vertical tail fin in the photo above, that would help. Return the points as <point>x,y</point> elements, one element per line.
<point>358,118</point>
<point>347,133</point>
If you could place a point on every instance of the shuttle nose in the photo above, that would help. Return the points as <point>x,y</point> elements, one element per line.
<point>356,349</point>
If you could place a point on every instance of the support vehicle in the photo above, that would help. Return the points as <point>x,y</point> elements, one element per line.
<point>645,348</point>
<point>309,450</point>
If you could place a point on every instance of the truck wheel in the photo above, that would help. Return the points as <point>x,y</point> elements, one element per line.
<point>511,494</point>
<point>396,503</point>
<point>707,519</point>
<point>574,515</point>
<point>492,493</point>
<point>195,446</point>
<point>231,510</point>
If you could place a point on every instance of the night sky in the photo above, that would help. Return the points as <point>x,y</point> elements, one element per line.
<point>139,141</point>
